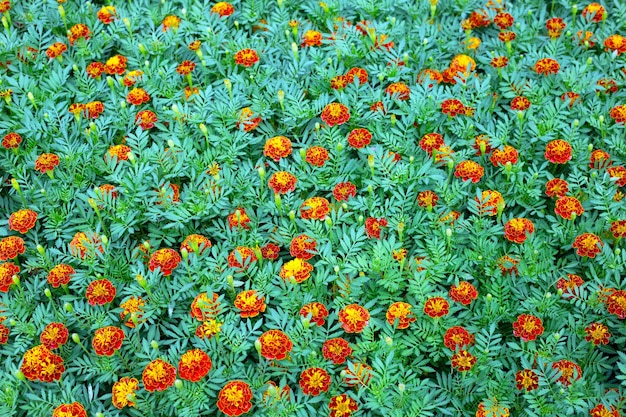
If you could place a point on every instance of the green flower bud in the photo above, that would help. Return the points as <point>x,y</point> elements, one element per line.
<point>15,184</point>
<point>257,345</point>
<point>185,253</point>
<point>41,250</point>
<point>154,345</point>
<point>401,387</point>
<point>76,338</point>
<point>19,375</point>
<point>292,215</point>
<point>68,307</point>
<point>48,293</point>
<point>178,384</point>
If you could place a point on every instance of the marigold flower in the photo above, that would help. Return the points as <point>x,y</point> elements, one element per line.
<point>54,335</point>
<point>357,72</point>
<point>494,411</point>
<point>4,334</point>
<point>275,345</point>
<point>317,156</point>
<point>608,86</point>
<point>277,147</point>
<point>344,190</point>
<point>22,220</point>
<point>499,62</point>
<point>194,365</point>
<point>354,318</point>
<point>223,8</point>
<point>571,96</point>
<point>204,308</point>
<point>342,406</point>
<point>314,208</point>
<point>78,31</point>
<point>122,390</point>
<point>436,307</point>
<point>242,257</point>
<point>246,57</point>
<point>526,379</point>
<point>46,162</point>
<point>463,293</point>
<point>618,229</point>
<point>427,199</point>
<point>587,244</point>
<point>282,182</point>
<point>547,66</point>
<point>107,340</point>
<point>249,122</point>
<point>335,114</point>
<point>296,269</point>
<point>75,409</point>
<point>82,245</point>
<point>452,107</point>
<point>490,203</point>
<point>616,304</point>
<point>518,229</point>
<point>100,292</point>
<point>312,38</point>
<point>11,247</point>
<point>567,285</point>
<point>317,311</point>
<point>170,22</point>
<point>314,381</point>
<point>502,156</point>
<point>270,251</point>
<point>567,369</point>
<point>402,312</point>
<point>527,327</point>
<point>55,50</point>
<point>507,36</point>
<point>158,375</point>
<point>195,243</point>
<point>431,141</point>
<point>137,96</point>
<point>555,26</point>
<point>134,305</point>
<point>132,77</point>
<point>402,90</point>
<point>107,14</point>
<point>359,138</point>
<point>185,67</point>
<point>618,172</point>
<point>379,105</point>
<point>469,170</point>
<point>234,398</point>
<point>503,20</point>
<point>463,361</point>
<point>457,337</point>
<point>208,329</point>
<point>95,69</point>
<point>431,74</point>
<point>597,333</point>
<point>615,43</point>
<point>600,410</point>
<point>618,113</point>
<point>336,350</point>
<point>250,303</point>
<point>557,187</point>
<point>11,140</point>
<point>116,65</point>
<point>303,247</point>
<point>520,103</point>
<point>239,218</point>
<point>93,109</point>
<point>7,271</point>
<point>146,119</point>
<point>119,151</point>
<point>567,206</point>
<point>40,364</point>
<point>76,109</point>
<point>373,226</point>
<point>166,260</point>
<point>338,82</point>
<point>594,11</point>
<point>361,375</point>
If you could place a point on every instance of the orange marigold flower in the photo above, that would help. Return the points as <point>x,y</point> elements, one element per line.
<point>342,406</point>
<point>608,85</point>
<point>567,369</point>
<point>357,72</point>
<point>246,57</point>
<point>373,226</point>
<point>234,399</point>
<point>119,151</point>
<point>567,285</point>
<point>270,251</point>
<point>11,247</point>
<point>494,410</point>
<point>82,245</point>
<point>555,26</point>
<point>452,107</point>
<point>116,65</point>
<point>360,375</point>
<point>547,66</point>
<point>463,361</point>
<point>336,350</point>
<point>359,138</point>
<point>469,170</point>
<point>132,311</point>
<point>379,105</point>
<point>194,365</point>
<point>507,265</point>
<point>618,113</point>
<point>11,140</point>
<point>520,103</point>
<point>223,8</point>
<point>618,172</point>
<point>597,333</point>
<point>457,337</point>
<point>463,293</point>
<point>585,39</point>
<point>615,43</point>
<point>204,308</point>
<point>248,121</point>
<point>170,22</point>
<point>431,142</point>
<point>314,208</point>
<point>5,6</point>
<point>250,303</point>
<point>431,74</point>
<point>594,11</point>
<point>616,304</point>
<point>317,311</point>
<point>282,182</point>
<point>402,312</point>
<point>195,243</point>
<point>503,20</point>
<point>78,31</point>
<point>568,206</point>
<point>55,50</point>
<point>242,257</point>
<point>75,409</point>
<point>526,379</point>
<point>303,247</point>
<point>95,69</point>
<point>354,318</point>
<point>132,77</point>
<point>518,229</point>
<point>60,275</point>
<point>94,109</point>
<point>436,307</point>
<point>557,187</point>
<point>166,260</point>
<point>312,38</point>
<point>527,327</point>
<point>277,147</point>
<point>618,229</point>
<point>107,14</point>
<point>338,82</point>
<point>587,244</point>
<point>462,64</point>
<point>600,410</point>
<point>46,162</point>
<point>317,156</point>
<point>107,340</point>
<point>571,96</point>
<point>22,220</point>
<point>146,119</point>
<point>296,269</point>
<point>158,375</point>
<point>499,62</point>
<point>100,292</point>
<point>427,199</point>
<point>76,109</point>
<point>344,190</point>
<point>275,345</point>
<point>402,90</point>
<point>490,203</point>
<point>137,96</point>
<point>194,45</point>
<point>335,114</point>
<point>54,335</point>
<point>40,364</point>
<point>239,218</point>
<point>123,390</point>
<point>558,151</point>
<point>314,381</point>
<point>185,67</point>
<point>208,329</point>
<point>502,156</point>
<point>507,36</point>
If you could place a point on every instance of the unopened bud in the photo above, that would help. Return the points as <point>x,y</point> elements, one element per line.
<point>339,147</point>
<point>61,11</point>
<point>292,215</point>
<point>15,184</point>
<point>278,201</point>
<point>31,97</point>
<point>617,251</point>
<point>185,253</point>
<point>141,281</point>
<point>48,293</point>
<point>294,49</point>
<point>388,340</point>
<point>450,164</point>
<point>557,336</point>
<point>261,172</point>
<point>16,279</point>
<point>601,119</point>
<point>98,414</point>
<point>231,281</point>
<point>306,323</point>
<point>105,240</point>
<point>142,49</point>
<point>393,120</point>
<point>203,129</point>
<point>401,387</point>
<point>360,219</point>
<point>126,23</point>
<point>154,345</point>
<point>110,82</point>
<point>489,297</point>
<point>76,338</point>
<point>131,156</point>
<point>257,346</point>
<point>328,221</point>
<point>344,206</point>
<point>68,307</point>
<point>336,269</point>
<point>178,384</point>
<point>317,127</point>
<point>281,96</point>
<point>448,233</point>
<point>19,375</point>
<point>92,203</point>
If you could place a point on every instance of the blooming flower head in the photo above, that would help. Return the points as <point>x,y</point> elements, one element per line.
<point>55,50</point>
<point>317,156</point>
<point>499,62</point>
<point>208,329</point>
<point>342,406</point>
<point>616,304</point>
<point>594,11</point>
<point>508,265</point>
<point>469,170</point>
<point>547,66</point>
<point>275,345</point>
<point>78,31</point>
<point>7,271</point>
<point>84,246</point>
<point>401,312</point>
<point>137,96</point>
<point>107,14</point>
<point>22,220</point>
<point>119,151</point>
<point>314,381</point>
<point>555,26</point>
<point>618,113</point>
<point>166,260</point>
<point>557,187</point>
<point>185,67</point>
<point>40,364</point>
<point>566,207</point>
<point>242,257</point>
<point>359,138</point>
<point>427,199</point>
<point>250,303</point>
<point>54,335</point>
<point>316,310</point>
<point>527,327</point>
<point>618,229</point>
<point>248,120</point>
<point>615,43</point>
<point>234,399</point>
<point>107,340</point>
<point>490,203</point>
<point>170,22</point>
<point>158,375</point>
<point>567,285</point>
<point>335,114</point>
<point>359,73</point>
<point>503,156</point>
<point>75,409</point>
<point>518,229</point>
<point>373,226</point>
<point>246,57</point>
<point>360,374</point>
<point>463,293</point>
<point>526,379</point>
<point>344,190</point>
<point>600,410</point>
<point>297,270</point>
<point>122,390</point>
<point>303,247</point>
<point>599,159</point>
<point>315,208</point>
<point>282,182</point>
<point>312,38</point>
<point>338,82</point>
<point>457,337</point>
<point>597,333</point>
<point>224,9</point>
<point>568,370</point>
<point>195,243</point>
<point>618,172</point>
<point>436,307</point>
<point>520,103</point>
<point>205,308</point>
<point>463,361</point>
<point>507,36</point>
<point>194,365</point>
<point>453,107</point>
<point>94,109</point>
<point>11,140</point>
<point>503,20</point>
<point>336,350</point>
<point>270,251</point>
<point>11,247</point>
<point>495,410</point>
<point>587,244</point>
<point>116,65</point>
<point>132,311</point>
<point>277,147</point>
<point>239,218</point>
<point>100,292</point>
<point>431,142</point>
<point>401,90</point>
<point>571,96</point>
<point>354,318</point>
<point>463,64</point>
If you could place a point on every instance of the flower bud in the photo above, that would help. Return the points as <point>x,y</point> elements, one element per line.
<point>141,281</point>
<point>257,345</point>
<point>110,82</point>
<point>281,97</point>
<point>557,336</point>
<point>76,338</point>
<point>388,340</point>
<point>15,184</point>
<point>48,293</point>
<point>336,269</point>
<point>370,161</point>
<point>68,307</point>
<point>360,219</point>
<point>489,297</point>
<point>16,279</point>
<point>105,240</point>
<point>448,233</point>
<point>370,189</point>
<point>344,206</point>
<point>328,221</point>
<point>278,201</point>
<point>203,129</point>
<point>401,387</point>
<point>617,251</point>
<point>294,49</point>
<point>425,41</point>
<point>292,215</point>
<point>142,49</point>
<point>185,253</point>
<point>131,157</point>
<point>339,147</point>
<point>31,97</point>
<point>381,77</point>
<point>61,11</point>
<point>306,323</point>
<point>154,345</point>
<point>92,203</point>
<point>178,384</point>
<point>601,119</point>
<point>450,164</point>
<point>126,23</point>
<point>548,295</point>
<point>231,281</point>
<point>19,375</point>
<point>261,172</point>
<point>99,414</point>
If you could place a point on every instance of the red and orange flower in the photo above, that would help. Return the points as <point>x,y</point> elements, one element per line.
<point>597,333</point>
<point>11,140</point>
<point>344,190</point>
<point>526,379</point>
<point>600,410</point>
<point>116,65</point>
<point>123,391</point>
<point>54,335</point>
<point>359,138</point>
<point>457,337</point>
<point>204,308</point>
<point>354,318</point>
<point>242,257</point>
<point>547,66</point>
<point>75,409</point>
<point>518,229</point>
<point>317,311</point>
<point>108,340</point>
<point>282,182</point>
<point>137,96</point>
<point>107,14</point>
<point>336,350</point>
<point>297,269</point>
<point>315,208</point>
<point>40,364</point>
<point>195,243</point>
<point>246,57</point>
<point>224,9</point>
<point>342,406</point>
<point>158,375</point>
<point>566,207</point>
<point>314,381</point>
<point>250,303</point>
<point>239,218</point>
<point>373,226</point>
<point>166,260</point>
<point>527,327</point>
<point>335,114</point>
<point>317,156</point>
<point>558,151</point>
<point>616,304</point>
<point>401,312</point>
<point>568,370</point>
<point>463,293</point>
<point>22,220</point>
<point>463,361</point>
<point>234,399</point>
<point>7,271</point>
<point>277,147</point>
<point>275,345</point>
<point>436,307</point>
<point>303,247</point>
<point>400,90</point>
<point>11,247</point>
<point>588,244</point>
<point>100,292</point>
<point>194,365</point>
<point>557,187</point>
<point>469,170</point>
